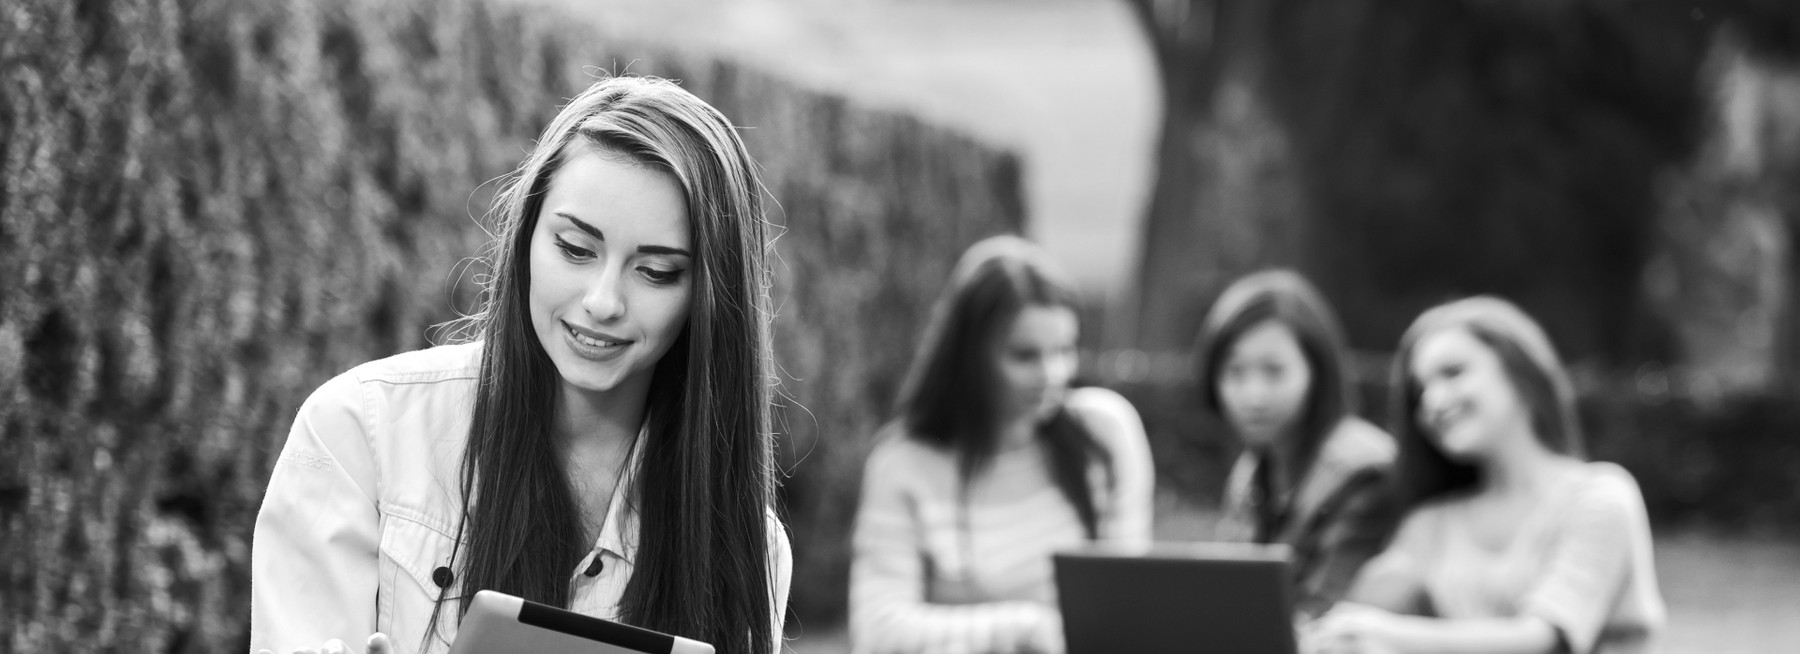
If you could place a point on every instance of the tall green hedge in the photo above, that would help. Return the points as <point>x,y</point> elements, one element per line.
<point>209,207</point>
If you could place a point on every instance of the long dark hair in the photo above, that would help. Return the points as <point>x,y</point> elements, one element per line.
<point>701,567</point>
<point>1530,364</point>
<point>951,395</point>
<point>1285,297</point>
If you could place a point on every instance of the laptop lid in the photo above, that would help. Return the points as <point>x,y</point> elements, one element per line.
<point>1176,597</point>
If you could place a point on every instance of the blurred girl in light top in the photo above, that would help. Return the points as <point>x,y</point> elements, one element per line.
<point>1513,543</point>
<point>1313,476</point>
<point>604,446</point>
<point>993,464</point>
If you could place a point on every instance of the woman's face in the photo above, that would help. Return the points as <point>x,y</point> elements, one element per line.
<point>610,261</point>
<point>1467,404</point>
<point>1263,383</point>
<point>1036,360</point>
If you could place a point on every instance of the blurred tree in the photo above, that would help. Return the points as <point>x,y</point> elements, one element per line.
<point>1405,152</point>
<point>1486,147</point>
<point>1225,200</point>
<point>1722,270</point>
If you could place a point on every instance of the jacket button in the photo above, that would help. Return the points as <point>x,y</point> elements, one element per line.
<point>443,577</point>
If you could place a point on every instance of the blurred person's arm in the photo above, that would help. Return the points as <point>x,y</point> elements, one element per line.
<point>1394,580</point>
<point>1585,577</point>
<point>889,613</point>
<point>1117,427</point>
<point>1352,629</point>
<point>313,556</point>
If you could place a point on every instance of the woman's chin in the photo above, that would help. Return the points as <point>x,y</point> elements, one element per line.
<point>1461,448</point>
<point>1256,437</point>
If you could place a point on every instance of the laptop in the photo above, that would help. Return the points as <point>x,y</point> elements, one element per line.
<point>1176,597</point>
<point>502,624</point>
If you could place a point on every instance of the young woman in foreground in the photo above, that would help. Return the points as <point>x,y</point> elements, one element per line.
<point>993,464</point>
<point>1513,542</point>
<point>1313,476</point>
<point>604,446</point>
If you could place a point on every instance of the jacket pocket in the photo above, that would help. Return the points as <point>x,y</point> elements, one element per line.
<point>412,553</point>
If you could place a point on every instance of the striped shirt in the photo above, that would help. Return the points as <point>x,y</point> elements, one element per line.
<point>931,575</point>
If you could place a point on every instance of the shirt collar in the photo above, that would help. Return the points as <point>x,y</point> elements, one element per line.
<point>618,533</point>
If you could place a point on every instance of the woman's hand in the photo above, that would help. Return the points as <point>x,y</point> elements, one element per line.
<point>1350,628</point>
<point>1047,638</point>
<point>378,644</point>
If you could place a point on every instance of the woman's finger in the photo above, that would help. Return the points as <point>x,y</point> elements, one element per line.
<point>335,646</point>
<point>378,644</point>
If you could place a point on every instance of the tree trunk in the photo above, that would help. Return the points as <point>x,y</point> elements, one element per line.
<point>1226,200</point>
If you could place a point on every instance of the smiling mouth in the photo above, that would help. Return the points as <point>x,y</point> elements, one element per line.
<point>589,340</point>
<point>1444,421</point>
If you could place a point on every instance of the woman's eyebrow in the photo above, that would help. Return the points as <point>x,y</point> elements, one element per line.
<point>642,249</point>
<point>590,229</point>
<point>663,249</point>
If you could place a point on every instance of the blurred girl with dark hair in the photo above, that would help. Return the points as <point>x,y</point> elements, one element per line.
<point>1512,542</point>
<point>603,446</point>
<point>1313,476</point>
<point>993,464</point>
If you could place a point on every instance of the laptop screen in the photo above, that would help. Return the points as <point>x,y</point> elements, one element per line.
<point>1199,597</point>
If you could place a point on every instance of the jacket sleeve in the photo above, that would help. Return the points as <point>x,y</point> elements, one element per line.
<point>313,555</point>
<point>781,553</point>
<point>888,610</point>
<point>1353,528</point>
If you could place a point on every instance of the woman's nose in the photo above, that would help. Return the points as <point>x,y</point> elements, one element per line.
<point>605,297</point>
<point>1059,369</point>
<point>1433,396</point>
<point>1251,390</point>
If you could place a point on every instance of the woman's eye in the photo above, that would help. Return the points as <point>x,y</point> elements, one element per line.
<point>573,251</point>
<point>660,276</point>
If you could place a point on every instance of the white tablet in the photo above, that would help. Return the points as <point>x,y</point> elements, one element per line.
<point>502,624</point>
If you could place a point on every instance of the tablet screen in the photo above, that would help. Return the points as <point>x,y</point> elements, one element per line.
<point>502,624</point>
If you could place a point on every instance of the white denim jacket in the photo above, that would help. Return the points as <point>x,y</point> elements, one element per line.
<point>361,511</point>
